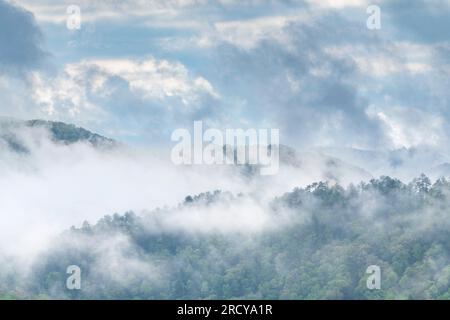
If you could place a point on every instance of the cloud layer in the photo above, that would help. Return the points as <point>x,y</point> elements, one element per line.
<point>138,70</point>
<point>20,39</point>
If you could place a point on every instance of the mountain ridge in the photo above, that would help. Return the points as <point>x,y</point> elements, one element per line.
<point>60,132</point>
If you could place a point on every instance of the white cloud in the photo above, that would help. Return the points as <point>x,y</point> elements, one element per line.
<point>392,58</point>
<point>73,92</point>
<point>159,10</point>
<point>56,186</point>
<point>410,127</point>
<point>338,4</point>
<point>49,12</point>
<point>247,33</point>
<point>153,78</point>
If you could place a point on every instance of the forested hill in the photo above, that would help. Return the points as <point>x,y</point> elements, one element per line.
<point>318,245</point>
<point>12,134</point>
<point>69,133</point>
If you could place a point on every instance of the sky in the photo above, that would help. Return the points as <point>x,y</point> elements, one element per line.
<point>137,70</point>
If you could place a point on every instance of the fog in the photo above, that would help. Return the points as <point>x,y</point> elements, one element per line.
<point>56,186</point>
<point>53,186</point>
<point>48,186</point>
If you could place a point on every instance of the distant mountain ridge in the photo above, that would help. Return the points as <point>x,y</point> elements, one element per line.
<point>69,133</point>
<point>306,167</point>
<point>60,132</point>
<point>342,165</point>
<point>403,163</point>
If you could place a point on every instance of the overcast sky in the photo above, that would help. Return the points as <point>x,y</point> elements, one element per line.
<point>136,70</point>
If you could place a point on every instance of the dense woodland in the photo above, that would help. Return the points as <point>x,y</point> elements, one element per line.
<point>333,235</point>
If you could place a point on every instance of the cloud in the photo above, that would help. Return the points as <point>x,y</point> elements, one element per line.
<point>411,19</point>
<point>159,12</point>
<point>315,74</point>
<point>151,92</point>
<point>156,10</point>
<point>428,128</point>
<point>48,12</point>
<point>152,78</point>
<point>20,40</point>
<point>248,33</point>
<point>309,93</point>
<point>66,184</point>
<point>338,4</point>
<point>392,58</point>
<point>310,68</point>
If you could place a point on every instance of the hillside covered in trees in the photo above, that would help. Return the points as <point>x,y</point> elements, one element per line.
<point>315,243</point>
<point>12,134</point>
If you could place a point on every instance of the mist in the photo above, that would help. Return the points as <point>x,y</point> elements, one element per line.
<point>137,217</point>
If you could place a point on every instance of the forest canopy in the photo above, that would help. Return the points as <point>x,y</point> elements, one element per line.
<point>321,240</point>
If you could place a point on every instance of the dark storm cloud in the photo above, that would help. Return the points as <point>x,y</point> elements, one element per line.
<point>20,39</point>
<point>310,93</point>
